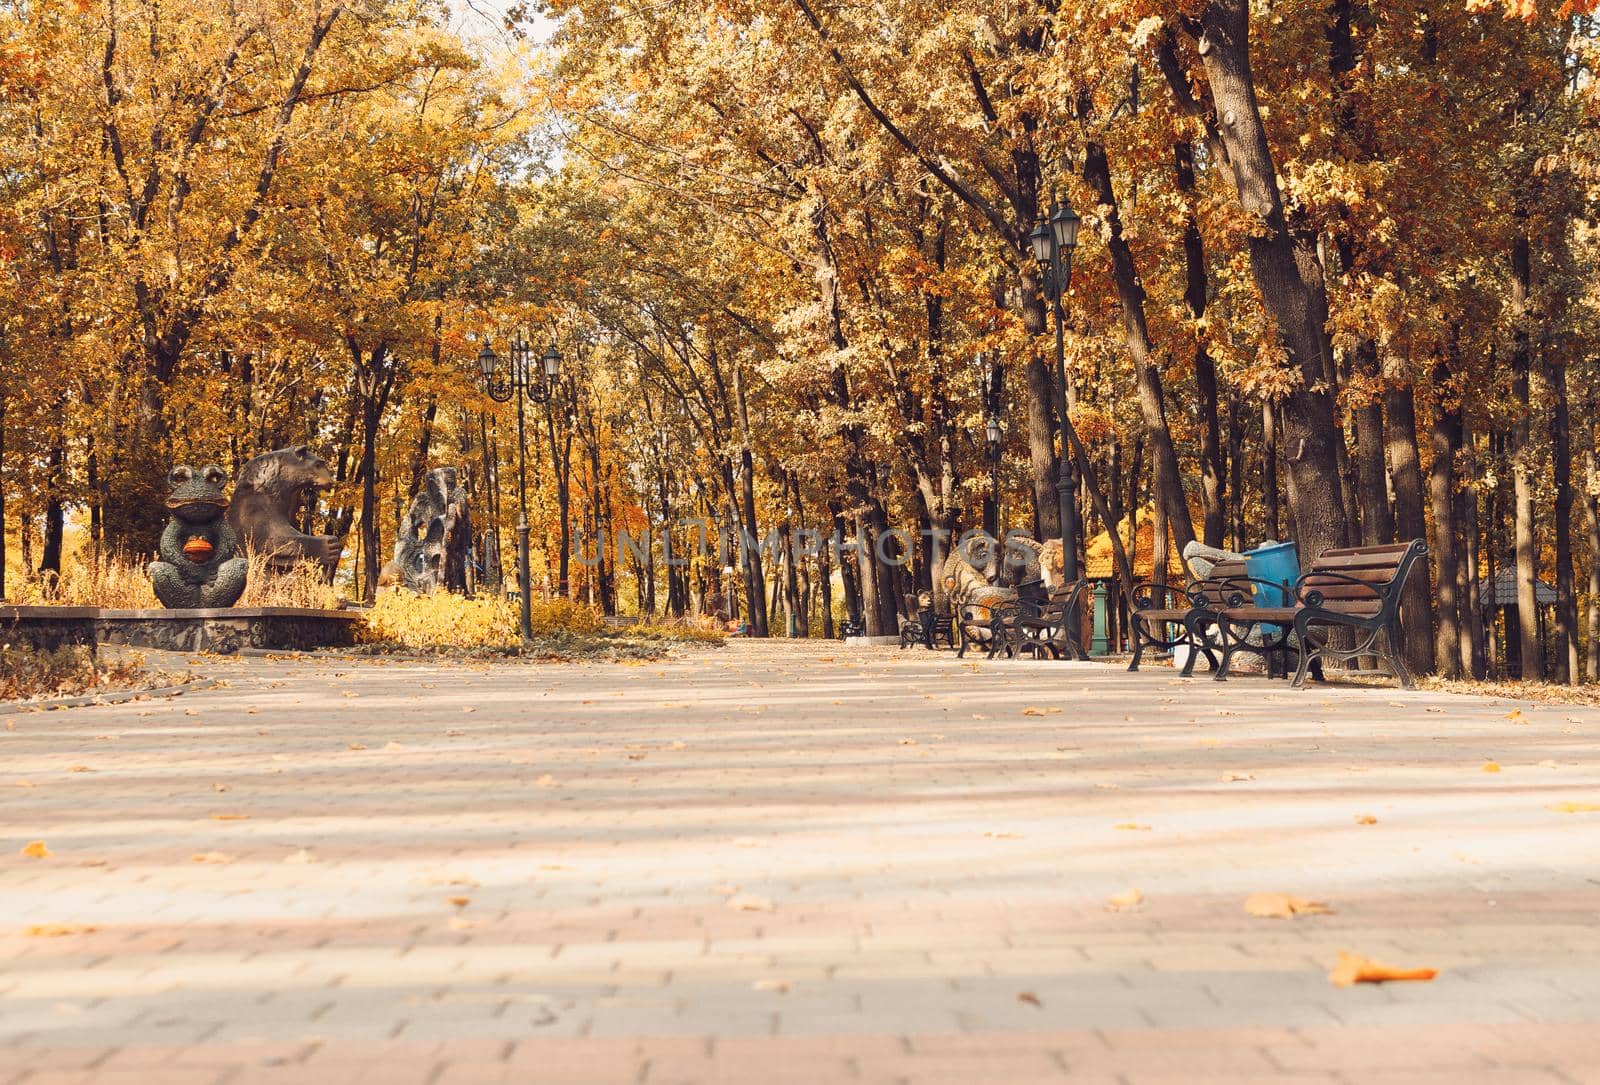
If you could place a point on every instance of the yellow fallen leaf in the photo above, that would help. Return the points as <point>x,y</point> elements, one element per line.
<point>680,745</point>
<point>454,733</point>
<point>461,923</point>
<point>779,987</point>
<point>1238,777</point>
<point>57,930</point>
<point>357,746</point>
<point>469,708</point>
<point>300,858</point>
<point>1131,827</point>
<point>749,902</point>
<point>80,768</point>
<point>1033,711</point>
<point>230,817</point>
<point>1366,819</point>
<point>1003,836</point>
<point>1516,716</point>
<point>1283,906</point>
<point>394,746</point>
<point>459,902</point>
<point>1128,898</point>
<point>1491,766</point>
<point>218,857</point>
<point>546,781</point>
<point>35,850</point>
<point>1575,807</point>
<point>1354,968</point>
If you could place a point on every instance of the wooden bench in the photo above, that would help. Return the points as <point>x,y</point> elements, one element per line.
<point>925,625</point>
<point>1354,588</point>
<point>1045,625</point>
<point>1156,608</point>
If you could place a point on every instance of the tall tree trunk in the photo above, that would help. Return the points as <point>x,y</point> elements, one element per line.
<point>755,579</point>
<point>1152,402</point>
<point>1377,519</point>
<point>1529,643</point>
<point>1566,632</point>
<point>1476,662</point>
<point>1238,422</point>
<point>1213,472</point>
<point>1591,505</point>
<point>1269,471</point>
<point>1310,431</point>
<point>1405,465</point>
<point>1446,439</point>
<point>3,487</point>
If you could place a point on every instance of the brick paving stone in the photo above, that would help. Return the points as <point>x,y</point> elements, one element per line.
<point>776,862</point>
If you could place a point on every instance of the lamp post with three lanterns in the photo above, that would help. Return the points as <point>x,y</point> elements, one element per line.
<point>521,375</point>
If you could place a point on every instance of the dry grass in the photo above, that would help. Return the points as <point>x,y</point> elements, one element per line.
<point>27,672</point>
<point>112,581</point>
<point>305,585</point>
<point>686,631</point>
<point>117,583</point>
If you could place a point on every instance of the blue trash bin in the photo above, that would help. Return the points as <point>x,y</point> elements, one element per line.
<point>1279,564</point>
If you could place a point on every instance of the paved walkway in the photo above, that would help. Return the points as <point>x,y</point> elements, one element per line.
<point>782,863</point>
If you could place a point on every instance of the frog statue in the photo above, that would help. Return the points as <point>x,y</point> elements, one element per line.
<point>199,566</point>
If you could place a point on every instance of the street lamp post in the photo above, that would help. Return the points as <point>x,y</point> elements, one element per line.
<point>535,379</point>
<point>992,431</point>
<point>1053,243</point>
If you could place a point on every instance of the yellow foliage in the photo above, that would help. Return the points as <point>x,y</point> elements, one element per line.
<point>442,620</point>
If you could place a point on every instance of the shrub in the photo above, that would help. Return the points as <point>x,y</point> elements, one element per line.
<point>118,582</point>
<point>442,620</point>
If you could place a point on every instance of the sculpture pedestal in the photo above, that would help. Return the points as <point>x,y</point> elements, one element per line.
<point>223,631</point>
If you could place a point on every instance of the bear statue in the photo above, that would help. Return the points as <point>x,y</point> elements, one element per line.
<point>200,565</point>
<point>270,490</point>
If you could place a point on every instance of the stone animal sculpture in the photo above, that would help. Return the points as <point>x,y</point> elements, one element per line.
<point>430,547</point>
<point>199,565</point>
<point>270,491</point>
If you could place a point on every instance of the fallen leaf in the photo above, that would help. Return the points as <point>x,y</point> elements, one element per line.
<point>454,733</point>
<point>780,987</point>
<point>1238,777</point>
<point>1131,827</point>
<point>680,745</point>
<point>26,783</point>
<point>1033,711</point>
<point>459,902</point>
<point>1003,836</point>
<point>1030,998</point>
<point>1283,906</point>
<point>219,787</point>
<point>80,768</point>
<point>300,858</point>
<point>357,746</point>
<point>1516,716</point>
<point>1491,766</point>
<point>1128,898</point>
<point>461,923</point>
<point>57,930</point>
<point>469,708</point>
<point>749,902</point>
<point>394,746</point>
<point>908,742</point>
<point>1354,968</point>
<point>36,850</point>
<point>1366,819</point>
<point>230,817</point>
<point>1576,807</point>
<point>218,857</point>
<point>546,781</point>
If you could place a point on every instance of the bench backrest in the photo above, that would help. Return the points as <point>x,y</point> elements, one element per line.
<point>1361,576</point>
<point>1225,583</point>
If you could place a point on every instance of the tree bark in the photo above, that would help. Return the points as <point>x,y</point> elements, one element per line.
<point>1213,471</point>
<point>1529,643</point>
<point>1405,464</point>
<point>1377,519</point>
<point>1152,401</point>
<point>1308,416</point>
<point>1446,440</point>
<point>1566,626</point>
